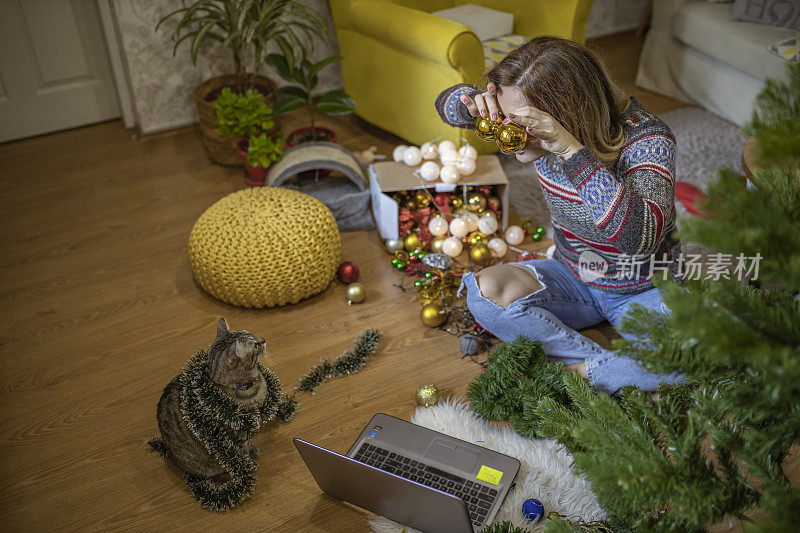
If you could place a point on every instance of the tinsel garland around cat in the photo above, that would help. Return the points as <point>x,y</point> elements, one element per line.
<point>209,414</point>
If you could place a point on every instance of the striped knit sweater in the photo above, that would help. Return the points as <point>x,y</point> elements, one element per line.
<point>612,225</point>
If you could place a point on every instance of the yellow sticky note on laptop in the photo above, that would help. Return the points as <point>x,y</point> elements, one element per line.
<point>489,475</point>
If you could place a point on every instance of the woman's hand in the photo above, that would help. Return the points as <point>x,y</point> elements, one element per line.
<point>547,132</point>
<point>485,104</point>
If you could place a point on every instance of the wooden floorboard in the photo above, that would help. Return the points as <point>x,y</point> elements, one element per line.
<point>99,311</point>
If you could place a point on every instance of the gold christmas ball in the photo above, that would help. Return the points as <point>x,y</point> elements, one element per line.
<point>432,315</point>
<point>457,202</point>
<point>402,255</point>
<point>511,137</point>
<point>476,202</point>
<point>427,394</point>
<point>436,244</point>
<point>355,293</point>
<point>422,199</point>
<point>486,128</point>
<point>412,242</point>
<point>476,237</point>
<point>480,254</point>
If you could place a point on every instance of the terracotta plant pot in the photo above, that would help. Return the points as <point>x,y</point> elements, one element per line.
<point>303,135</point>
<point>255,176</point>
<point>219,149</point>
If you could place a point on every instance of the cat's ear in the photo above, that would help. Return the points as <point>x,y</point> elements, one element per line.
<point>222,328</point>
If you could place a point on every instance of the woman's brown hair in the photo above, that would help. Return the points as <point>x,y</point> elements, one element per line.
<point>570,83</point>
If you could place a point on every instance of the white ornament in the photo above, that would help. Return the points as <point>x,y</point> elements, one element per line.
<point>429,171</point>
<point>412,156</point>
<point>428,151</point>
<point>450,157</point>
<point>472,221</point>
<point>468,151</point>
<point>459,228</point>
<point>446,146</point>
<point>498,247</point>
<point>450,174</point>
<point>466,166</point>
<point>551,250</point>
<point>397,153</point>
<point>487,225</point>
<point>452,246</point>
<point>438,226</point>
<point>514,235</point>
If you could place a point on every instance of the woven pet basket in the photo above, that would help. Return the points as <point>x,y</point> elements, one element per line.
<point>265,246</point>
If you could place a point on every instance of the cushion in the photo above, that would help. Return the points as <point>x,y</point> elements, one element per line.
<point>784,13</point>
<point>264,246</point>
<point>743,45</point>
<point>494,50</point>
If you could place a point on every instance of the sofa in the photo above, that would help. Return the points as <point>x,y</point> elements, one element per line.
<point>695,53</point>
<point>398,56</point>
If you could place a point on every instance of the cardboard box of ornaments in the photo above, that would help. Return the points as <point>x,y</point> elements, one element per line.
<point>388,177</point>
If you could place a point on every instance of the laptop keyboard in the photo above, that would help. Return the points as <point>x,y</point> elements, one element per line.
<point>479,498</point>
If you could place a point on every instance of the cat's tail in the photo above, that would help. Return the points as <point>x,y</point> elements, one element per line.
<point>157,444</point>
<point>220,497</point>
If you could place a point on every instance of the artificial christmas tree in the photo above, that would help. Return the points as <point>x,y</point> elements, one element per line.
<point>712,449</point>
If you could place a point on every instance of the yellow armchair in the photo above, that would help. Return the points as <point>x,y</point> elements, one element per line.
<point>398,57</point>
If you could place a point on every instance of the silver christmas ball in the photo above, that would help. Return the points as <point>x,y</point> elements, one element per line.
<point>469,344</point>
<point>394,245</point>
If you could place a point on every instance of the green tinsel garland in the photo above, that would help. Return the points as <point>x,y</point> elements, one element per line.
<point>350,362</point>
<point>208,413</point>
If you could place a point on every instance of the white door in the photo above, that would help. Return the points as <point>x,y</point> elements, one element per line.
<point>54,67</point>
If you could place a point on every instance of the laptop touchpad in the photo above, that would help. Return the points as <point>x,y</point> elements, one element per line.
<point>449,453</point>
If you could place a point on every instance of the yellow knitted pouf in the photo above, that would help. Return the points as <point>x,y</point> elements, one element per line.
<point>265,246</point>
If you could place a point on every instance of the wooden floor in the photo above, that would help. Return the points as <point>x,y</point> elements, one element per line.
<point>99,311</point>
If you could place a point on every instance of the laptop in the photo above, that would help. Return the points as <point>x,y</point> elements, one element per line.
<point>415,476</point>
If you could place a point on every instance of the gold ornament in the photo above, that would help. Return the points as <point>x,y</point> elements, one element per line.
<point>412,242</point>
<point>476,202</point>
<point>476,237</point>
<point>493,203</point>
<point>457,202</point>
<point>427,394</point>
<point>480,254</point>
<point>402,255</point>
<point>460,211</point>
<point>422,199</point>
<point>436,244</point>
<point>411,205</point>
<point>486,128</point>
<point>511,137</point>
<point>432,315</point>
<point>355,293</point>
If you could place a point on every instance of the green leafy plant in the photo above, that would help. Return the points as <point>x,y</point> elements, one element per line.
<point>300,71</point>
<point>245,28</point>
<point>263,150</point>
<point>239,115</point>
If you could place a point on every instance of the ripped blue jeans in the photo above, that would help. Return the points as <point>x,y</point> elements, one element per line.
<point>553,313</point>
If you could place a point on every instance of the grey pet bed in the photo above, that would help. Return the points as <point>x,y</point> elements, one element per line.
<point>346,196</point>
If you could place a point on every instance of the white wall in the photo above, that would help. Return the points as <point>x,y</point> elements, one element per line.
<point>162,85</point>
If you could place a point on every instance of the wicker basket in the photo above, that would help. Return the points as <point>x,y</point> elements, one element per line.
<point>265,246</point>
<point>219,149</point>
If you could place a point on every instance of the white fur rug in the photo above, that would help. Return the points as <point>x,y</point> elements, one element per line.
<point>545,474</point>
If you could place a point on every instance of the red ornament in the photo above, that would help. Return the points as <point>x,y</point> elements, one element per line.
<point>348,272</point>
<point>441,199</point>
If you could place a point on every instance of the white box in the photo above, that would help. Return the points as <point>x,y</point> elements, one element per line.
<point>388,177</point>
<point>486,23</point>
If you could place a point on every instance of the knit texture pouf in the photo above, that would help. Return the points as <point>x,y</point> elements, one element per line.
<point>265,246</point>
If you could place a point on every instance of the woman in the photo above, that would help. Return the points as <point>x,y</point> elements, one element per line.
<point>606,167</point>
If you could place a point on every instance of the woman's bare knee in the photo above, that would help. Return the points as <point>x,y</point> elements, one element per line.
<point>503,284</point>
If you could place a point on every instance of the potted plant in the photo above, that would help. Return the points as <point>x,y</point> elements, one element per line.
<point>303,75</point>
<point>246,119</point>
<point>245,28</point>
<point>259,152</point>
